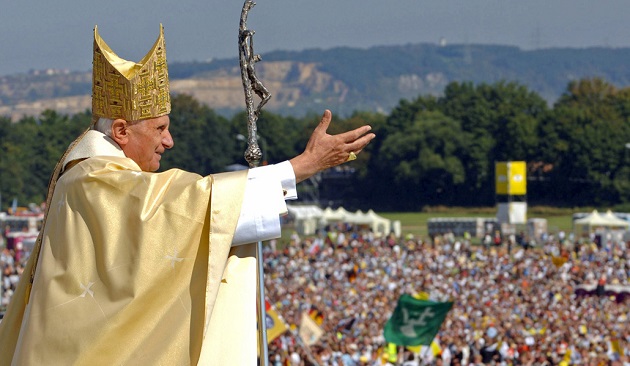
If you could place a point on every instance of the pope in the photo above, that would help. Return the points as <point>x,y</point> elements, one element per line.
<point>134,267</point>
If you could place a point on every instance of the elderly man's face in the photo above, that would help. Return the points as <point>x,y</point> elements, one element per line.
<point>148,139</point>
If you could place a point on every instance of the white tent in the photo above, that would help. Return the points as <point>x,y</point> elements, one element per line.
<point>331,215</point>
<point>382,225</point>
<point>309,218</point>
<point>306,218</point>
<point>594,221</point>
<point>615,220</point>
<point>377,223</point>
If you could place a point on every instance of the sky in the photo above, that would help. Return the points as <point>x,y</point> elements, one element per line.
<point>39,34</point>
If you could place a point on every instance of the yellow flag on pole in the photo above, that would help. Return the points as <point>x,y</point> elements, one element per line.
<point>309,331</point>
<point>275,324</point>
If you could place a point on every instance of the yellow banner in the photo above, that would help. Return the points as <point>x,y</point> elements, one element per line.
<point>511,178</point>
<point>275,324</point>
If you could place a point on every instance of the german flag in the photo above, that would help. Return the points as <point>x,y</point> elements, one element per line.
<point>316,315</point>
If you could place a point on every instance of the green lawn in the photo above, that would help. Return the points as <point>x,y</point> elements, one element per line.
<point>416,222</point>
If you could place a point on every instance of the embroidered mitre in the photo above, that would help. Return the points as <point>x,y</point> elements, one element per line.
<point>129,90</point>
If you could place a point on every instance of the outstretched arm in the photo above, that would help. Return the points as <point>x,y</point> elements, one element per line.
<point>275,183</point>
<point>325,151</point>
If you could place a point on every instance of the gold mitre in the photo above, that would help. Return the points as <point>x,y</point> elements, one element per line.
<point>128,90</point>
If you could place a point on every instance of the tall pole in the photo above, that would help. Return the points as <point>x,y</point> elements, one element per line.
<point>253,154</point>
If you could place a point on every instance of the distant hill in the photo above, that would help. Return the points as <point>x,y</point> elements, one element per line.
<point>342,79</point>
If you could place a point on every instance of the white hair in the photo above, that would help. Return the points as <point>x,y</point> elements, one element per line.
<point>104,125</point>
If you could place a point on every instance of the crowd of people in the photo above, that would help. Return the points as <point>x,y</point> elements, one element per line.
<point>11,271</point>
<point>13,257</point>
<point>513,305</point>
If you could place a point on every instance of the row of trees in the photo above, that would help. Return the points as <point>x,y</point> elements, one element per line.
<point>428,151</point>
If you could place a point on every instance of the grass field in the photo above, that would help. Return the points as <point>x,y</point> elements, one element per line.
<point>416,222</point>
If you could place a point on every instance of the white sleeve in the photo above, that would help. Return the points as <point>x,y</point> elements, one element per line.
<point>266,190</point>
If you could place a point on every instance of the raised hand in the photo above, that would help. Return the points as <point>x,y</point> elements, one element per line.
<point>325,151</point>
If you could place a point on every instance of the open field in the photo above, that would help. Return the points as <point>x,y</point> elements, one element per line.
<point>416,222</point>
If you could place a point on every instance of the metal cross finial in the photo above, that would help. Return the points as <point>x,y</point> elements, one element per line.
<point>251,84</point>
<point>253,154</point>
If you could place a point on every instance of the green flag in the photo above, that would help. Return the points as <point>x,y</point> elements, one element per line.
<point>415,322</point>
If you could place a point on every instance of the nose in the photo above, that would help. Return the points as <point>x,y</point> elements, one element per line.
<point>167,140</point>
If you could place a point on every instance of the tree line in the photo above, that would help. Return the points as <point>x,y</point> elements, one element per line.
<point>433,150</point>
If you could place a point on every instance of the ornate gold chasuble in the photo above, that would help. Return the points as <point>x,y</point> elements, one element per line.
<point>137,268</point>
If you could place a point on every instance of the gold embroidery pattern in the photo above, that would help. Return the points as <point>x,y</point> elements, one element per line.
<point>135,93</point>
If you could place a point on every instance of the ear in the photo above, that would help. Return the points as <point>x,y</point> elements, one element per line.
<point>120,132</point>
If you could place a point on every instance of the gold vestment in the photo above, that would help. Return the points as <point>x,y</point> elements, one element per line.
<point>136,268</point>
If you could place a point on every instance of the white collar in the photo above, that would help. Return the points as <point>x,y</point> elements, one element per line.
<point>93,143</point>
